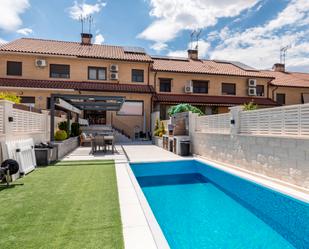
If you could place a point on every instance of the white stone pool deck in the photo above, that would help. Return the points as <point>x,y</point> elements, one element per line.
<point>140,228</point>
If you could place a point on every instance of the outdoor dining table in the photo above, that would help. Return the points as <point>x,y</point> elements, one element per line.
<point>102,141</point>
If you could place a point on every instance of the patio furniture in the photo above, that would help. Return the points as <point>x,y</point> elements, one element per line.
<point>97,143</point>
<point>110,142</point>
<point>84,138</point>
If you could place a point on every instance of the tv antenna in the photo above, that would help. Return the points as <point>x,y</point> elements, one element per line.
<point>84,20</point>
<point>283,53</point>
<point>194,37</point>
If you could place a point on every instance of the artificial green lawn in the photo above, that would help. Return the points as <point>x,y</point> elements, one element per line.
<point>69,205</point>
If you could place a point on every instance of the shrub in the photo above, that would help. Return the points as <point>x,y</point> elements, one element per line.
<point>75,129</point>
<point>61,135</point>
<point>10,96</point>
<point>160,131</point>
<point>183,108</point>
<point>64,126</point>
<point>250,106</point>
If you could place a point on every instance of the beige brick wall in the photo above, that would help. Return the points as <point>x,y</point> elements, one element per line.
<point>292,94</point>
<point>78,67</point>
<point>180,80</point>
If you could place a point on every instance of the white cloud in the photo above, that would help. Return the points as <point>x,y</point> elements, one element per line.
<point>25,31</point>
<point>159,46</point>
<point>10,12</point>
<point>172,17</point>
<point>99,39</point>
<point>259,46</point>
<point>83,9</point>
<point>2,41</point>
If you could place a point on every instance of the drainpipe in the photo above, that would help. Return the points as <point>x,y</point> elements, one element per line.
<point>273,93</point>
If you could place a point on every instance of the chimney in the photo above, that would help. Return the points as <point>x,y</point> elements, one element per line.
<point>86,38</point>
<point>193,54</point>
<point>279,67</point>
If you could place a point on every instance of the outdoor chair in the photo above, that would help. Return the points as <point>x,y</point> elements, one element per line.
<point>98,143</point>
<point>85,139</point>
<point>110,142</point>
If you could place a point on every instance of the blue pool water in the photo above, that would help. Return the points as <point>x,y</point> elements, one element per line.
<point>198,206</point>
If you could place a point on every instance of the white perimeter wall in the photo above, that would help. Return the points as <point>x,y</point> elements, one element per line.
<point>286,159</point>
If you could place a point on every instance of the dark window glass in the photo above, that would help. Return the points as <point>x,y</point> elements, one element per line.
<point>14,68</point>
<point>59,71</point>
<point>96,73</point>
<point>48,103</point>
<point>260,90</point>
<point>280,98</point>
<point>137,75</point>
<point>165,85</point>
<point>27,100</point>
<point>228,89</point>
<point>200,86</point>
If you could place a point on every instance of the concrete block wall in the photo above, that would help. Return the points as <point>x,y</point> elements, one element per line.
<point>284,158</point>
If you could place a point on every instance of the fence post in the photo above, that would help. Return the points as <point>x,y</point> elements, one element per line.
<point>192,122</point>
<point>7,118</point>
<point>235,119</point>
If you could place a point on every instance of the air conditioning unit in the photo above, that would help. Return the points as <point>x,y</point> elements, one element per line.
<point>252,91</point>
<point>40,63</point>
<point>252,82</point>
<point>113,76</point>
<point>189,87</point>
<point>113,68</point>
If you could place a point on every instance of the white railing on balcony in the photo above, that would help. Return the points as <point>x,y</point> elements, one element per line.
<point>287,121</point>
<point>25,121</point>
<point>219,123</point>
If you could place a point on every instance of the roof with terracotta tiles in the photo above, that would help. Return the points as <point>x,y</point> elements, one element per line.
<point>76,85</point>
<point>289,79</point>
<point>211,100</point>
<point>206,67</point>
<point>64,48</point>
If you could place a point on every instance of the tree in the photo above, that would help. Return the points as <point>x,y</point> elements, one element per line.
<point>184,108</point>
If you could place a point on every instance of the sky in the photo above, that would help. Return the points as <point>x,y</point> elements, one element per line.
<point>250,31</point>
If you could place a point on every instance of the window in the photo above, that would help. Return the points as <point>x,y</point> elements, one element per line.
<point>96,73</point>
<point>14,68</point>
<point>165,85</point>
<point>280,98</point>
<point>200,86</point>
<point>228,89</point>
<point>59,71</point>
<point>27,100</point>
<point>132,108</point>
<point>260,90</point>
<point>137,75</point>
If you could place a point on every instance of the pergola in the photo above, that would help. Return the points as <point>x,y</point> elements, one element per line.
<point>78,103</point>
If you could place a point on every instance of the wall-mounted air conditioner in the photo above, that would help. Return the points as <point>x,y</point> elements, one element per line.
<point>252,91</point>
<point>113,76</point>
<point>189,87</point>
<point>113,68</point>
<point>40,63</point>
<point>252,83</point>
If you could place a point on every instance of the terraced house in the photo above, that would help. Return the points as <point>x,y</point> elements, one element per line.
<point>36,68</point>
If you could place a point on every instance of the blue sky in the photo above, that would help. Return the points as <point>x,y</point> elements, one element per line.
<point>251,31</point>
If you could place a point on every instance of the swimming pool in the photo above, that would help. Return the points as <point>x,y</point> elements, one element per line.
<point>199,206</point>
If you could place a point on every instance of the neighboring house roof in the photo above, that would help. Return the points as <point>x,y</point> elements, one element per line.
<point>213,67</point>
<point>64,48</point>
<point>76,85</point>
<point>289,79</point>
<point>211,100</point>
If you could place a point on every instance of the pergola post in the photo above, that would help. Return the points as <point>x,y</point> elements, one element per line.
<point>52,118</point>
<point>68,122</point>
